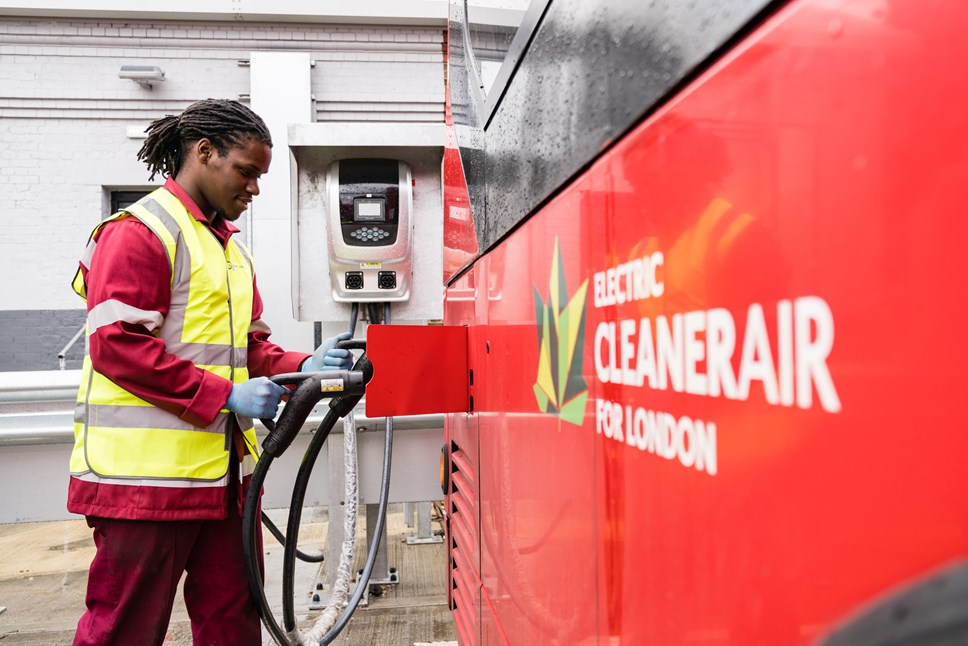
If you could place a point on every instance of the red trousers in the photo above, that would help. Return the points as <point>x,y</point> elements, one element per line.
<point>135,574</point>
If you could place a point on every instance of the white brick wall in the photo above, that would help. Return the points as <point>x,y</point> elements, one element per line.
<point>64,114</point>
<point>50,196</point>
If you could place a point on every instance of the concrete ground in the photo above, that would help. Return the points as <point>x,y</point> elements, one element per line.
<point>43,576</point>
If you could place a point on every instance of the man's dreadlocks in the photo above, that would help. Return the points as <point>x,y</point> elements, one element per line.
<point>224,122</point>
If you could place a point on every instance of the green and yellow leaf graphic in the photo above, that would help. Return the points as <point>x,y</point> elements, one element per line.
<point>560,388</point>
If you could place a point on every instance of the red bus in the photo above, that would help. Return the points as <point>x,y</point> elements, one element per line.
<point>707,259</point>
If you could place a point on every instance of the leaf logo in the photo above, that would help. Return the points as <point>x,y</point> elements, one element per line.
<point>560,388</point>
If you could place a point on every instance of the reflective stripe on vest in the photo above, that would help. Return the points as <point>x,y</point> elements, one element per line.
<point>122,439</point>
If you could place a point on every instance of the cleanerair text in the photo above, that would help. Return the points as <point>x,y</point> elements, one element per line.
<point>778,354</point>
<point>695,352</point>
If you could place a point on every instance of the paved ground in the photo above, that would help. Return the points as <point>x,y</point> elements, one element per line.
<point>43,575</point>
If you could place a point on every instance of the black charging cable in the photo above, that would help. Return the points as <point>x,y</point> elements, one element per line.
<point>364,579</point>
<point>310,388</point>
<point>277,533</point>
<point>340,407</point>
<point>281,435</point>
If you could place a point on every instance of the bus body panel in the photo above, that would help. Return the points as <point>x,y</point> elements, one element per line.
<point>718,377</point>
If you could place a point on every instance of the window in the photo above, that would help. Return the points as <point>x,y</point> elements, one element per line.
<point>121,199</point>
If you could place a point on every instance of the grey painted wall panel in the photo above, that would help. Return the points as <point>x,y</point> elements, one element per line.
<point>31,339</point>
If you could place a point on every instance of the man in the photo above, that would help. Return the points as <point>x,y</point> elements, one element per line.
<point>176,367</point>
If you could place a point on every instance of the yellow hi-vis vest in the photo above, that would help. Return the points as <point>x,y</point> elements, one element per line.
<point>121,439</point>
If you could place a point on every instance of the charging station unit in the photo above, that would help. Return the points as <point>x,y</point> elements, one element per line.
<point>370,228</point>
<point>367,220</point>
<point>367,230</point>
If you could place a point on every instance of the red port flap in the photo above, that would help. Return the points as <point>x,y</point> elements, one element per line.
<point>417,369</point>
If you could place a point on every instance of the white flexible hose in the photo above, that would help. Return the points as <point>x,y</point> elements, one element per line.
<point>341,586</point>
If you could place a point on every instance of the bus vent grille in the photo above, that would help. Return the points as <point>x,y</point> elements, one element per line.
<point>464,596</point>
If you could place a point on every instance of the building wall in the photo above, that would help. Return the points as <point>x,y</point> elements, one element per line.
<point>70,131</point>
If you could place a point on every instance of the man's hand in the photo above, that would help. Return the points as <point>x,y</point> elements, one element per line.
<point>257,397</point>
<point>328,357</point>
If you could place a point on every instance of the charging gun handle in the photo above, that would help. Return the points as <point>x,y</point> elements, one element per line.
<point>311,387</point>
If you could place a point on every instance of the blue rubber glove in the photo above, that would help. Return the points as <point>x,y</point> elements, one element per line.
<point>257,397</point>
<point>329,357</point>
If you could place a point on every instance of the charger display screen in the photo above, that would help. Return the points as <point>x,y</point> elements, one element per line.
<point>369,210</point>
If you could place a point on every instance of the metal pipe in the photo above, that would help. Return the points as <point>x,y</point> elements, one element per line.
<point>15,430</point>
<point>62,355</point>
<point>38,408</point>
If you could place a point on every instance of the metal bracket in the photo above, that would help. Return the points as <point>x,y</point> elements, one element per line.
<point>382,574</point>
<point>424,535</point>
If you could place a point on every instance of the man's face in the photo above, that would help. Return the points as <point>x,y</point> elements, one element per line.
<point>232,179</point>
